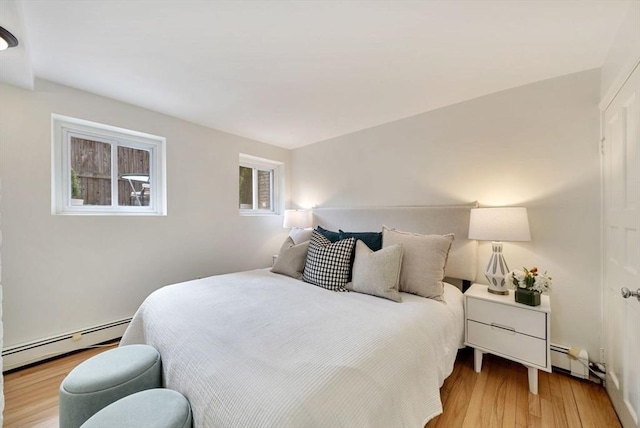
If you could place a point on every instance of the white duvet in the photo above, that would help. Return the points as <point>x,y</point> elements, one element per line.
<point>256,349</point>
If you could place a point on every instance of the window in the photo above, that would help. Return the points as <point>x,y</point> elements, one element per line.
<point>258,185</point>
<point>100,169</point>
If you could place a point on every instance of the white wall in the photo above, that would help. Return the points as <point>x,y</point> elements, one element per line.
<point>62,273</point>
<point>623,53</point>
<point>535,146</point>
<point>1,327</point>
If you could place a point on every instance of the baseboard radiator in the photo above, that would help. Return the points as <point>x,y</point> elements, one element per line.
<point>561,359</point>
<point>17,356</point>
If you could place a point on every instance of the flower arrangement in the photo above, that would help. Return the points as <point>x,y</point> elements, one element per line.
<point>530,279</point>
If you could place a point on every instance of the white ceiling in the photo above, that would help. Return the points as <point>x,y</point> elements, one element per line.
<point>292,73</point>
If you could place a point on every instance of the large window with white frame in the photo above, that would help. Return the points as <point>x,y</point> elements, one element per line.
<point>258,185</point>
<point>101,169</point>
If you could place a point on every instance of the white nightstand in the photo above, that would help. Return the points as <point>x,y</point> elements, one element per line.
<point>500,326</point>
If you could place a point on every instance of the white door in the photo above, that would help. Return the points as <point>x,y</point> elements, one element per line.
<point>621,127</point>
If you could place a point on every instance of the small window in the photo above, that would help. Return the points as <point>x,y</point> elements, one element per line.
<point>258,185</point>
<point>101,169</point>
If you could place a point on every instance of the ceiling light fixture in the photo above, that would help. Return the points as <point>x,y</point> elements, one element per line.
<point>7,40</point>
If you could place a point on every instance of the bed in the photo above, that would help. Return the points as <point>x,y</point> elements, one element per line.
<point>260,349</point>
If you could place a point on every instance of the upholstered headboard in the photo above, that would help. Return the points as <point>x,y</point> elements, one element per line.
<point>462,260</point>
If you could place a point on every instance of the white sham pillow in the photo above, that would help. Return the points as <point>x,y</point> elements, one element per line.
<point>300,235</point>
<point>423,261</point>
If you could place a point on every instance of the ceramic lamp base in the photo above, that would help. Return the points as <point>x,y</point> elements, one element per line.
<point>497,270</point>
<point>496,291</point>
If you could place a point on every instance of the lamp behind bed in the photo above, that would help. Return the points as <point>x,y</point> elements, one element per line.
<point>301,219</point>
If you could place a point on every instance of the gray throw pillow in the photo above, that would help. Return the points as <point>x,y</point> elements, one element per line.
<point>377,272</point>
<point>291,259</point>
<point>423,261</point>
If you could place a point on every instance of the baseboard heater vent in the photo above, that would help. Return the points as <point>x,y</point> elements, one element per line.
<point>561,359</point>
<point>17,356</point>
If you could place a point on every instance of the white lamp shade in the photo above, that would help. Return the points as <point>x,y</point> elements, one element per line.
<point>297,218</point>
<point>499,224</point>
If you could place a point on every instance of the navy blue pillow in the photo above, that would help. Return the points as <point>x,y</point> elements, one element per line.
<point>330,235</point>
<point>373,240</point>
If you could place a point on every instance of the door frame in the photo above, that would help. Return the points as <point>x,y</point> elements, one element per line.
<point>604,104</point>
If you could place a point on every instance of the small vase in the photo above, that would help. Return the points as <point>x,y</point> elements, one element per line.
<point>527,297</point>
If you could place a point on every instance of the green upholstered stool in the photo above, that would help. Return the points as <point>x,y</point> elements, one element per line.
<point>105,378</point>
<point>153,408</point>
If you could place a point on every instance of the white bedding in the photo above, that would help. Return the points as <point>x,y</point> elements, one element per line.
<point>260,349</point>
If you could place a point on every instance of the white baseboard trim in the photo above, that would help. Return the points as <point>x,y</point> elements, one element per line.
<point>17,356</point>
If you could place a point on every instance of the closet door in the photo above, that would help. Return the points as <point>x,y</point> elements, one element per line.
<point>621,228</point>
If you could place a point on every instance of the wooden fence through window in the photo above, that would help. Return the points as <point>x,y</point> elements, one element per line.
<point>91,160</point>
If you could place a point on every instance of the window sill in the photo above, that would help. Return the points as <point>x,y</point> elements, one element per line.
<point>110,213</point>
<point>256,213</point>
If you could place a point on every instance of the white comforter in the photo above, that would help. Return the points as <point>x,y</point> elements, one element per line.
<point>260,349</point>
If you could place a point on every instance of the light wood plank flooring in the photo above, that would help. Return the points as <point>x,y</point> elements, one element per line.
<point>497,397</point>
<point>31,394</point>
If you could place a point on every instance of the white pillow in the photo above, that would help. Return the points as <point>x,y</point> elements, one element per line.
<point>300,235</point>
<point>423,261</point>
<point>377,272</point>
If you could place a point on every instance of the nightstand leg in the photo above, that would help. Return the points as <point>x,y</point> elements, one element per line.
<point>533,380</point>
<point>477,360</point>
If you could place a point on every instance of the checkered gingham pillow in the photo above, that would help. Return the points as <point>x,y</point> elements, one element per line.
<point>328,264</point>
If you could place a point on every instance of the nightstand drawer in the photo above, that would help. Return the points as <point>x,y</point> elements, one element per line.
<point>508,343</point>
<point>529,322</point>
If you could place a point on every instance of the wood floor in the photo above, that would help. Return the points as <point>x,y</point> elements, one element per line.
<point>497,397</point>
<point>31,394</point>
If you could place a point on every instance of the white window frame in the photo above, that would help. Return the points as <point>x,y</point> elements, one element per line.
<point>262,164</point>
<point>64,127</point>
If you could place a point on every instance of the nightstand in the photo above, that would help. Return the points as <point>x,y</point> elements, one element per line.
<point>498,325</point>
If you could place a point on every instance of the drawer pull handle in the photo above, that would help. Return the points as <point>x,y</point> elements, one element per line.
<point>503,327</point>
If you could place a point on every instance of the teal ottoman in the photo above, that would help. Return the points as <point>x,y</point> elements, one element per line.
<point>153,408</point>
<point>105,378</point>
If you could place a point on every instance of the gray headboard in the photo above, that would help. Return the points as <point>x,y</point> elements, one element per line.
<point>462,260</point>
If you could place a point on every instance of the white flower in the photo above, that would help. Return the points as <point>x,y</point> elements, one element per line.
<point>519,276</point>
<point>542,283</point>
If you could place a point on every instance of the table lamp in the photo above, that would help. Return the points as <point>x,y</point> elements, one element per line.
<point>497,225</point>
<point>301,219</point>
